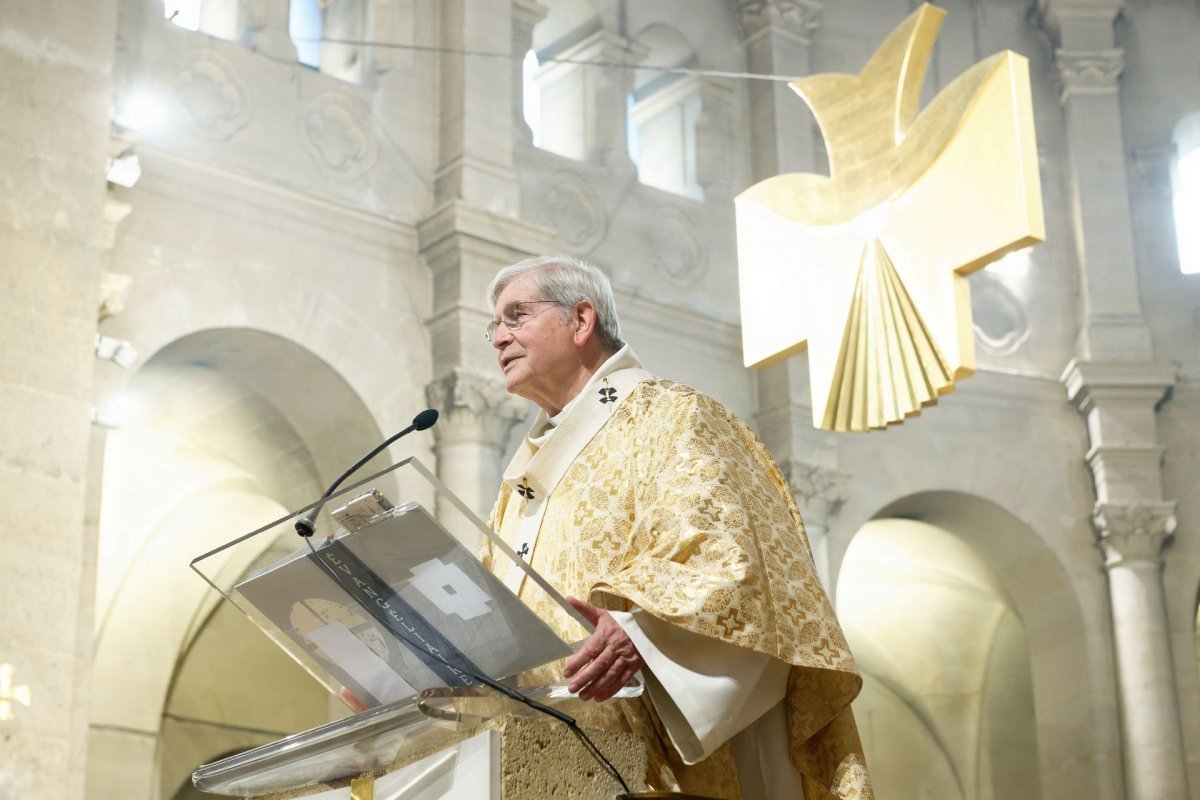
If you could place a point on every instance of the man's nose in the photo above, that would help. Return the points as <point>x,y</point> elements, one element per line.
<point>501,336</point>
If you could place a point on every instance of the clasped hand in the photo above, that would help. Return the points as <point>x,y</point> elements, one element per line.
<point>607,661</point>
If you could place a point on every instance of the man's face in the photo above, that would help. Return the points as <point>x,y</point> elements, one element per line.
<point>539,357</point>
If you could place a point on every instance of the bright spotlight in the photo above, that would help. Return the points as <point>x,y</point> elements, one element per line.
<point>140,112</point>
<point>118,411</point>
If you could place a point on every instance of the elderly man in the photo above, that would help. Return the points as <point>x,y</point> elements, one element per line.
<point>669,527</point>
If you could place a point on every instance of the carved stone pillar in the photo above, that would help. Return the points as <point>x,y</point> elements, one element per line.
<point>777,35</point>
<point>1115,384</point>
<point>472,233</point>
<point>1133,521</point>
<point>477,416</point>
<point>819,494</point>
<point>526,15</point>
<point>1089,64</point>
<point>58,92</point>
<point>464,248</point>
<point>1132,538</point>
<point>475,164</point>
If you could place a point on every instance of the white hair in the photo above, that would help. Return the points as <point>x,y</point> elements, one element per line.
<point>567,280</point>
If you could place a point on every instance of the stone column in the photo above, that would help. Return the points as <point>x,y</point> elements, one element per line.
<point>475,165</point>
<point>477,416</point>
<point>1089,64</point>
<point>777,35</point>
<point>1116,385</point>
<point>57,63</point>
<point>1132,522</point>
<point>526,15</point>
<point>464,248</point>
<point>1132,538</point>
<point>473,231</point>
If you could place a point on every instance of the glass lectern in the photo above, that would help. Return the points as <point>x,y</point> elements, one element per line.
<point>389,608</point>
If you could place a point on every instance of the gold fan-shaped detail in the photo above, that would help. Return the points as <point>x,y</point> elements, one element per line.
<point>888,366</point>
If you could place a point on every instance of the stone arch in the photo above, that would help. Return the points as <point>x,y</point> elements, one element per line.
<point>235,426</point>
<point>169,302</point>
<point>1030,577</point>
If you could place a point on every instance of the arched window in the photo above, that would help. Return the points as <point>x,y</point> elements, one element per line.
<point>563,97</point>
<point>1186,181</point>
<point>663,111</point>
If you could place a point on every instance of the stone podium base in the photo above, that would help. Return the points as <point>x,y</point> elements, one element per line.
<point>527,757</point>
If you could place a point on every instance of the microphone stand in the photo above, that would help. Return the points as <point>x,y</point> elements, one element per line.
<point>306,525</point>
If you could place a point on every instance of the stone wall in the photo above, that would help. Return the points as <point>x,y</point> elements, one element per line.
<point>319,243</point>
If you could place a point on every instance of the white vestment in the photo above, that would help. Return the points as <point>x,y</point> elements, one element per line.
<point>706,691</point>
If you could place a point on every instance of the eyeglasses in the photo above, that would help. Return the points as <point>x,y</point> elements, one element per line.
<point>514,317</point>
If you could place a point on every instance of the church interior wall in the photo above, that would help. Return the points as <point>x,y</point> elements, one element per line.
<point>273,237</point>
<point>1159,47</point>
<point>1038,478</point>
<point>368,145</point>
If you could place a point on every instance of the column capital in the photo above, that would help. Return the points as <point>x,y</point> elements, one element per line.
<point>819,491</point>
<point>1132,532</point>
<point>798,18</point>
<point>473,408</point>
<point>1088,72</point>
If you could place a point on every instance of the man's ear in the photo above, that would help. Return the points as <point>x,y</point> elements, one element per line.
<point>583,321</point>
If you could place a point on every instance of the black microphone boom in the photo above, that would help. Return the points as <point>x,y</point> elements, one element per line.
<point>423,421</point>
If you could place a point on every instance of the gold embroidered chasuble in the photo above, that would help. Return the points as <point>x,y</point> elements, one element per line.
<point>651,494</point>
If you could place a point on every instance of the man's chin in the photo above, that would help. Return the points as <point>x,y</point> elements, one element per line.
<point>513,379</point>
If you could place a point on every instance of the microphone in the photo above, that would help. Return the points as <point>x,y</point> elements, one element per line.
<point>305,526</point>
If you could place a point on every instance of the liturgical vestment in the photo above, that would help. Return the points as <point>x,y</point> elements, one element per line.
<point>650,499</point>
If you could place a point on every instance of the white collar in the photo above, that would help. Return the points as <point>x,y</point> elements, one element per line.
<point>622,359</point>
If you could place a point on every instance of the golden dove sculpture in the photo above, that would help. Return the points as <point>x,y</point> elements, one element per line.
<point>866,267</point>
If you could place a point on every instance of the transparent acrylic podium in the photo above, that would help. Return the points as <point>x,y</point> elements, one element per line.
<point>389,608</point>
